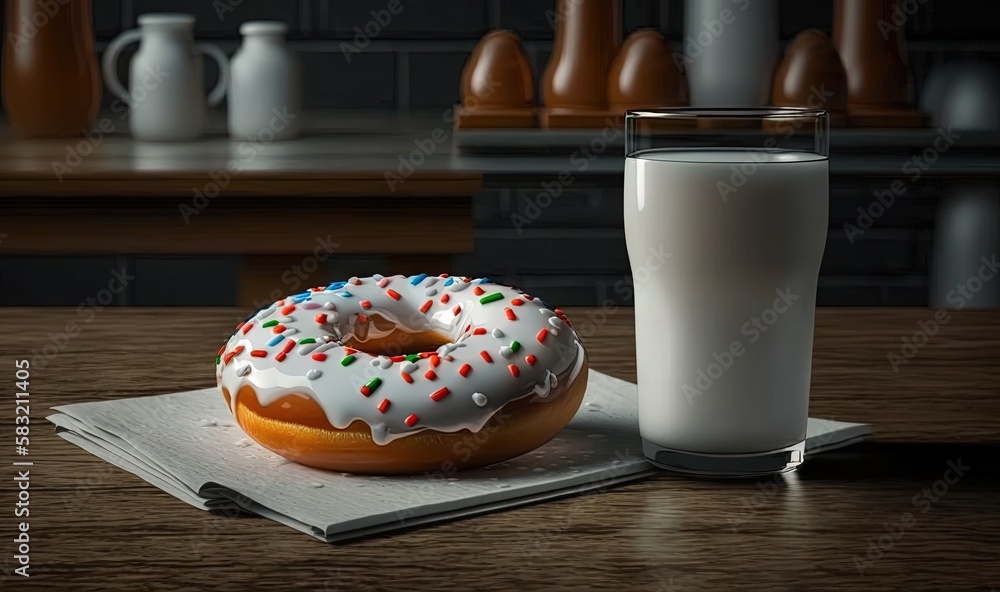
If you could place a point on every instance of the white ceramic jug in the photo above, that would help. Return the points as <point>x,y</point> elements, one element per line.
<point>730,51</point>
<point>265,91</point>
<point>167,97</point>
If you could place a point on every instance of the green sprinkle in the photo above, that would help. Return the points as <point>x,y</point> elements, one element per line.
<point>270,323</point>
<point>412,358</point>
<point>514,346</point>
<point>491,298</point>
<point>218,359</point>
<point>307,340</point>
<point>347,361</point>
<point>371,385</point>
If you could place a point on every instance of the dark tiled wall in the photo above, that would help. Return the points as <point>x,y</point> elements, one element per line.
<point>575,254</point>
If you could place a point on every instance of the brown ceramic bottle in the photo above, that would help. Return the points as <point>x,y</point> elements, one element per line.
<point>812,75</point>
<point>51,84</point>
<point>872,47</point>
<point>588,33</point>
<point>497,86</point>
<point>644,75</point>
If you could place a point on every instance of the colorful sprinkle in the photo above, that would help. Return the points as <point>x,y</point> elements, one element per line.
<point>344,294</point>
<point>449,282</point>
<point>336,286</point>
<point>319,356</point>
<point>258,353</point>
<point>435,361</point>
<point>288,346</point>
<point>426,306</point>
<point>383,406</point>
<point>445,298</point>
<point>406,377</point>
<point>365,304</point>
<point>412,358</point>
<point>440,394</point>
<point>276,340</point>
<point>247,328</point>
<point>321,318</point>
<point>306,340</point>
<point>411,420</point>
<point>279,329</point>
<point>430,375</point>
<point>510,314</point>
<point>346,361</point>
<point>228,357</point>
<point>530,359</point>
<point>270,323</point>
<point>383,282</point>
<point>517,302</point>
<point>288,309</point>
<point>238,350</point>
<point>362,318</point>
<point>280,356</point>
<point>393,294</point>
<point>478,291</point>
<point>515,345</point>
<point>417,279</point>
<point>464,370</point>
<point>371,386</point>
<point>490,298</point>
<point>542,334</point>
<point>456,310</point>
<point>486,356</point>
<point>514,371</point>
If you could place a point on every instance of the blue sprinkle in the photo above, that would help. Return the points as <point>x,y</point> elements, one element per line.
<point>345,294</point>
<point>449,282</point>
<point>417,279</point>
<point>336,285</point>
<point>485,281</point>
<point>302,295</point>
<point>277,339</point>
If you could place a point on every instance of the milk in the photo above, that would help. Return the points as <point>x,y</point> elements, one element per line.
<point>724,322</point>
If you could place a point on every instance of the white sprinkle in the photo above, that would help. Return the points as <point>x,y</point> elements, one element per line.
<point>243,443</point>
<point>327,338</point>
<point>354,280</point>
<point>242,369</point>
<point>479,399</point>
<point>289,331</point>
<point>409,367</point>
<point>377,277</point>
<point>383,282</point>
<point>458,286</point>
<point>554,332</point>
<point>315,485</point>
<point>208,423</point>
<point>546,312</point>
<point>286,320</point>
<point>374,362</point>
<point>431,291</point>
<point>313,374</point>
<point>333,317</point>
<point>329,306</point>
<point>265,313</point>
<point>385,362</point>
<point>555,322</point>
<point>506,352</point>
<point>307,348</point>
<point>498,333</point>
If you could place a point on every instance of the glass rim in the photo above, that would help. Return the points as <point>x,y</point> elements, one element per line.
<point>727,113</point>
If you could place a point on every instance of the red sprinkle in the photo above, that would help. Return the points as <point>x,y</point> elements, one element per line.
<point>510,314</point>
<point>426,306</point>
<point>366,304</point>
<point>449,358</point>
<point>240,326</point>
<point>393,294</point>
<point>445,299</point>
<point>559,312</point>
<point>466,329</point>
<point>486,356</point>
<point>515,372</point>
<point>288,309</point>
<point>279,328</point>
<point>517,302</point>
<point>443,275</point>
<point>456,310</point>
<point>411,420</point>
<point>425,354</point>
<point>383,406</point>
<point>319,357</point>
<point>289,346</point>
<point>435,360</point>
<point>430,375</point>
<point>258,353</point>
<point>321,318</point>
<point>464,370</point>
<point>406,377</point>
<point>362,318</point>
<point>280,356</point>
<point>397,358</point>
<point>530,359</point>
<point>221,349</point>
<point>247,327</point>
<point>228,356</point>
<point>439,394</point>
<point>348,351</point>
<point>542,334</point>
<point>238,350</point>
<point>478,291</point>
<point>479,331</point>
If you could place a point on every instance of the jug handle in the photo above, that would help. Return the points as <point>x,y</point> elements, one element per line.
<point>219,92</point>
<point>109,63</point>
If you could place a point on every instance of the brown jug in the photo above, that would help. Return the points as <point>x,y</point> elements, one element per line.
<point>588,33</point>
<point>872,47</point>
<point>51,84</point>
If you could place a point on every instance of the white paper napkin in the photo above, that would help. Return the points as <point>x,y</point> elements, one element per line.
<point>189,445</point>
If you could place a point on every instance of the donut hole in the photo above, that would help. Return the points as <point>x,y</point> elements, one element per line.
<point>379,336</point>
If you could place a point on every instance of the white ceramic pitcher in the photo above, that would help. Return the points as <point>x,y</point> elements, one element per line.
<point>167,98</point>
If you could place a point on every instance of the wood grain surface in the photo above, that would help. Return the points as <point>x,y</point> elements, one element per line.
<point>95,527</point>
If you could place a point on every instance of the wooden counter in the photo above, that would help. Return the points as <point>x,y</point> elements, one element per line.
<point>95,527</point>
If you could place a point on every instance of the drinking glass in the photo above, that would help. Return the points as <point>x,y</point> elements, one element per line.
<point>726,214</point>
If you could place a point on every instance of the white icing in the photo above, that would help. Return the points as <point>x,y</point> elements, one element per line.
<point>471,400</point>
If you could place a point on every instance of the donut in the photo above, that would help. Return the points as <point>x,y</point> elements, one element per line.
<point>403,374</point>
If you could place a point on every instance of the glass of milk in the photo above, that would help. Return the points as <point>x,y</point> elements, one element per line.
<point>726,214</point>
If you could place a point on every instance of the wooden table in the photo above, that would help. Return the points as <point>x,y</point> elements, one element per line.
<point>95,527</point>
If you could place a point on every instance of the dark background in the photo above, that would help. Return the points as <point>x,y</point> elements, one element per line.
<point>576,252</point>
